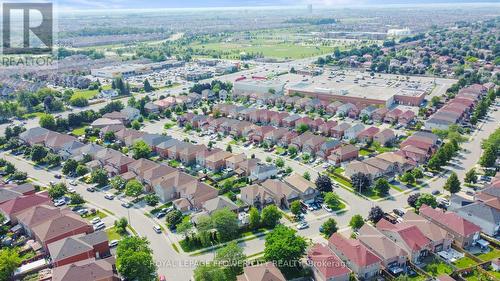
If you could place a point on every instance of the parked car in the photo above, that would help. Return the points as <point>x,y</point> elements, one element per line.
<point>399,212</point>
<point>71,190</point>
<point>126,204</point>
<point>157,229</point>
<point>90,189</point>
<point>328,209</point>
<point>436,192</point>
<point>302,225</point>
<point>113,243</point>
<point>160,215</point>
<point>83,211</point>
<point>60,202</point>
<point>73,183</point>
<point>99,226</point>
<point>109,196</point>
<point>95,220</point>
<point>57,176</point>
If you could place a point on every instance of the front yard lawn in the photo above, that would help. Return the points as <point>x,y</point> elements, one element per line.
<point>464,263</point>
<point>113,234</point>
<point>364,152</point>
<point>79,131</point>
<point>492,254</point>
<point>98,213</point>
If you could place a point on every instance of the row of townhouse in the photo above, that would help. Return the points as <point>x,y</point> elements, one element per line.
<point>458,109</point>
<point>307,142</point>
<point>68,241</point>
<point>391,246</point>
<point>279,193</point>
<point>415,150</point>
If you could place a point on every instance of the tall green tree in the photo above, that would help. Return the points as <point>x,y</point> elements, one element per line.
<point>356,222</point>
<point>9,261</point>
<point>210,272</point>
<point>69,167</point>
<point>47,121</point>
<point>452,184</point>
<point>284,247</point>
<point>382,186</point>
<point>295,208</point>
<point>254,218</point>
<point>270,216</point>
<point>226,224</point>
<point>133,188</point>
<point>471,176</point>
<point>233,258</point>
<point>329,227</point>
<point>141,149</point>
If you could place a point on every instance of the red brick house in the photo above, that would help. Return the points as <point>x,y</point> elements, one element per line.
<point>78,248</point>
<point>344,153</point>
<point>368,134</point>
<point>326,128</point>
<point>326,265</point>
<point>393,116</point>
<point>10,209</point>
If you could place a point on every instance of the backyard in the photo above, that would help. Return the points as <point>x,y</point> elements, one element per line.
<point>464,262</point>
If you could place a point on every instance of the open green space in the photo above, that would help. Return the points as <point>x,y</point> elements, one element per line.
<point>79,131</point>
<point>437,267</point>
<point>98,214</point>
<point>464,262</point>
<point>88,94</point>
<point>113,234</point>
<point>492,254</point>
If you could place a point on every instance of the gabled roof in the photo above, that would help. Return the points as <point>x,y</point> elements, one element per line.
<point>66,223</point>
<point>379,243</point>
<point>413,238</point>
<point>75,245</point>
<point>450,220</point>
<point>262,272</point>
<point>22,203</point>
<point>39,214</point>
<point>299,183</point>
<point>429,229</point>
<point>218,203</point>
<point>353,250</point>
<point>480,211</point>
<point>327,262</point>
<point>85,270</point>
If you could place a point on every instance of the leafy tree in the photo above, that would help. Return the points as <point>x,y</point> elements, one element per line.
<point>292,150</point>
<point>76,199</point>
<point>412,199</point>
<point>133,188</point>
<point>254,218</point>
<point>295,208</point>
<point>489,157</point>
<point>360,182</point>
<point>356,222</point>
<point>324,183</point>
<point>121,225</point>
<point>135,125</point>
<point>408,177</point>
<point>382,186</point>
<point>99,176</point>
<point>69,167</point>
<point>226,223</point>
<point>109,136</point>
<point>302,128</point>
<point>134,259</point>
<point>79,102</point>
<point>184,228</point>
<point>471,176</point>
<point>152,199</point>
<point>427,199</point>
<point>332,200</point>
<point>376,214</point>
<point>279,162</point>
<point>233,257</point>
<point>47,121</point>
<point>210,272</point>
<point>9,261</point>
<point>452,184</point>
<point>141,149</point>
<point>283,246</point>
<point>329,227</point>
<point>229,148</point>
<point>417,173</point>
<point>81,170</point>
<point>57,191</point>
<point>117,182</point>
<point>38,153</point>
<point>147,86</point>
<point>307,176</point>
<point>173,218</point>
<point>270,216</point>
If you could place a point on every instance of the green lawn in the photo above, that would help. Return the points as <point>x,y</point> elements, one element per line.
<point>464,263</point>
<point>364,152</point>
<point>395,188</point>
<point>494,253</point>
<point>495,274</point>
<point>99,214</point>
<point>437,267</point>
<point>476,276</point>
<point>88,94</point>
<point>113,234</point>
<point>79,131</point>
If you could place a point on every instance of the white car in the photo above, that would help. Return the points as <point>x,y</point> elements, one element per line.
<point>109,196</point>
<point>60,203</point>
<point>99,226</point>
<point>113,243</point>
<point>95,220</point>
<point>73,183</point>
<point>302,225</point>
<point>328,209</point>
<point>157,229</point>
<point>71,190</point>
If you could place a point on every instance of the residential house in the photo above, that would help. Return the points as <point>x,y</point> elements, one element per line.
<point>379,114</point>
<point>345,108</point>
<point>104,122</point>
<point>367,135</point>
<point>10,209</point>
<point>153,140</point>
<point>193,196</point>
<point>305,188</point>
<point>385,137</point>
<point>299,141</point>
<point>217,161</point>
<point>232,162</point>
<point>140,166</point>
<point>408,237</point>
<point>357,257</point>
<point>131,113</point>
<point>407,117</point>
<point>353,132</point>
<point>339,130</point>
<point>326,128</point>
<point>262,172</point>
<point>326,265</point>
<point>313,144</point>
<point>393,256</point>
<point>272,137</point>
<point>68,224</point>
<point>152,107</point>
<point>441,240</point>
<point>39,214</point>
<point>187,155</point>
<point>327,148</point>
<point>343,154</point>
<point>261,272</point>
<point>268,192</point>
<point>219,203</point>
<point>12,191</point>
<point>78,248</point>
<point>163,148</point>
<point>356,167</point>
<point>290,121</point>
<point>465,233</point>
<point>203,154</point>
<point>287,138</point>
<point>151,175</point>
<point>484,214</point>
<point>98,270</point>
<point>116,115</point>
<point>278,119</point>
<point>393,116</point>
<point>368,111</point>
<point>168,187</point>
<point>244,168</point>
<point>34,135</point>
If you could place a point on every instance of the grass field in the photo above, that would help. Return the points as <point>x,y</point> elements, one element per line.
<point>494,253</point>
<point>464,263</point>
<point>88,94</point>
<point>113,234</point>
<point>437,267</point>
<point>79,131</point>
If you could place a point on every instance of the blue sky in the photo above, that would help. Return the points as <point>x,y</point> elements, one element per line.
<point>137,4</point>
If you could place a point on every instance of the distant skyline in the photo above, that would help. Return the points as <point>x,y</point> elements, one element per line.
<point>149,4</point>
